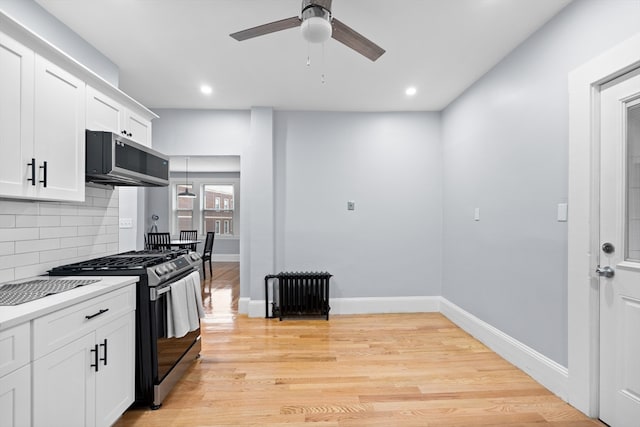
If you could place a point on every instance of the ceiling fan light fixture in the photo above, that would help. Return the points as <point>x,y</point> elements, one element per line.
<point>316,29</point>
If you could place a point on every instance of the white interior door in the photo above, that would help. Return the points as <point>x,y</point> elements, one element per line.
<point>620,252</point>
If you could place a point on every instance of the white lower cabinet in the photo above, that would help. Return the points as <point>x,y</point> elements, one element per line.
<point>87,382</point>
<point>15,376</point>
<point>64,386</point>
<point>115,385</point>
<point>15,398</point>
<point>84,367</point>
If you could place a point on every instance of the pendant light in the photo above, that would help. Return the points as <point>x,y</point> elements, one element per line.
<point>186,192</point>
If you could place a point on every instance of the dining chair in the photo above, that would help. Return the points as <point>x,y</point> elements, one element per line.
<point>207,252</point>
<point>159,241</point>
<point>189,235</point>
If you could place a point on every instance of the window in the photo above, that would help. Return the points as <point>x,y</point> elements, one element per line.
<point>213,216</point>
<point>213,208</point>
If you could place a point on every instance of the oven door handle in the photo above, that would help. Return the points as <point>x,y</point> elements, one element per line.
<point>154,293</point>
<point>159,290</point>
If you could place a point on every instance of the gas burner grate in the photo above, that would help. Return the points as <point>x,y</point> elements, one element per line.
<point>19,293</point>
<point>128,261</point>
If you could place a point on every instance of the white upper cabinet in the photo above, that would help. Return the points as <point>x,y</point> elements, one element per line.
<point>16,117</point>
<point>137,128</point>
<point>47,100</point>
<point>59,133</point>
<point>104,113</point>
<point>42,119</point>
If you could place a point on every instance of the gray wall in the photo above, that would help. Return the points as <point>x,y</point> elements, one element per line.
<point>33,16</point>
<point>505,151</point>
<point>390,165</point>
<point>186,132</point>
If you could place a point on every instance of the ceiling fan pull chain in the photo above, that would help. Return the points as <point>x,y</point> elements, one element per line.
<point>322,76</point>
<point>308,54</point>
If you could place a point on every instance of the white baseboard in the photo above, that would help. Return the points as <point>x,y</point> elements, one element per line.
<point>226,257</point>
<point>367,305</point>
<point>550,374</point>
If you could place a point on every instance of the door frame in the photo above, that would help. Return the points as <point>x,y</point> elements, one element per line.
<point>584,226</point>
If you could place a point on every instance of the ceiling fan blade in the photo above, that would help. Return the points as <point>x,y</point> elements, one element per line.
<point>271,27</point>
<point>356,41</point>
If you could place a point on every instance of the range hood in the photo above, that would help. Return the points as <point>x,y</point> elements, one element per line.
<point>114,160</point>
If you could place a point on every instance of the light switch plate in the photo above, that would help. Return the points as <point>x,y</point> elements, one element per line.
<point>126,223</point>
<point>476,214</point>
<point>351,205</point>
<point>562,212</point>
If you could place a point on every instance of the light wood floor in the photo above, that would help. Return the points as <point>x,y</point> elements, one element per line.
<point>360,370</point>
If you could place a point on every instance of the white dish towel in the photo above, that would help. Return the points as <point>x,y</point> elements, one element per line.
<point>184,306</point>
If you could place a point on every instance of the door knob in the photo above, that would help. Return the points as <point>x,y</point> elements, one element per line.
<point>605,271</point>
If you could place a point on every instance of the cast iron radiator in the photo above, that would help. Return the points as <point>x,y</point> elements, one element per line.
<point>298,295</point>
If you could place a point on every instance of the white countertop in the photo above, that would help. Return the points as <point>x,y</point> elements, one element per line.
<point>17,314</point>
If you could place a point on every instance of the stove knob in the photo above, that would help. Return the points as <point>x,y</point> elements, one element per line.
<point>171,266</point>
<point>159,271</point>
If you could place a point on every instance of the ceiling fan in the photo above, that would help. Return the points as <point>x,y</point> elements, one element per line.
<point>317,26</point>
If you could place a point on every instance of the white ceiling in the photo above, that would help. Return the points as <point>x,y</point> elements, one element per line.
<point>166,49</point>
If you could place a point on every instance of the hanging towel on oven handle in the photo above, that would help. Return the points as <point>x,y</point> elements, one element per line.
<point>184,306</point>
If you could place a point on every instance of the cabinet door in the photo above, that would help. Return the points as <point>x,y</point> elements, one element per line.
<point>59,132</point>
<point>103,113</point>
<point>16,117</point>
<point>138,128</point>
<point>64,386</point>
<point>15,398</point>
<point>115,379</point>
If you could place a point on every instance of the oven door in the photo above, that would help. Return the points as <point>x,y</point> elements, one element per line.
<point>169,351</point>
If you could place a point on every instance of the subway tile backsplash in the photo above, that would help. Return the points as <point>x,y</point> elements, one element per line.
<point>36,236</point>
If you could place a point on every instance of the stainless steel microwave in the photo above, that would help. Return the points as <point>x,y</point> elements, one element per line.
<point>112,159</point>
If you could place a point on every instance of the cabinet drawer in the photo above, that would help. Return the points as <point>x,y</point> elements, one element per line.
<point>61,327</point>
<point>14,348</point>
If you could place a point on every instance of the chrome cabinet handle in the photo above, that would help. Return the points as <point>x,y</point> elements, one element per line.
<point>606,271</point>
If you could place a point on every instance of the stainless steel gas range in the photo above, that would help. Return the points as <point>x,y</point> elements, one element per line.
<point>160,360</point>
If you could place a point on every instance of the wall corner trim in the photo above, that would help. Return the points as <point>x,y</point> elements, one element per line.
<point>245,303</point>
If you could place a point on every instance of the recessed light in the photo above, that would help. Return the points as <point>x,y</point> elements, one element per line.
<point>411,91</point>
<point>207,90</point>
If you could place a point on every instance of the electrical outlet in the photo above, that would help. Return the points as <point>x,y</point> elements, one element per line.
<point>351,205</point>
